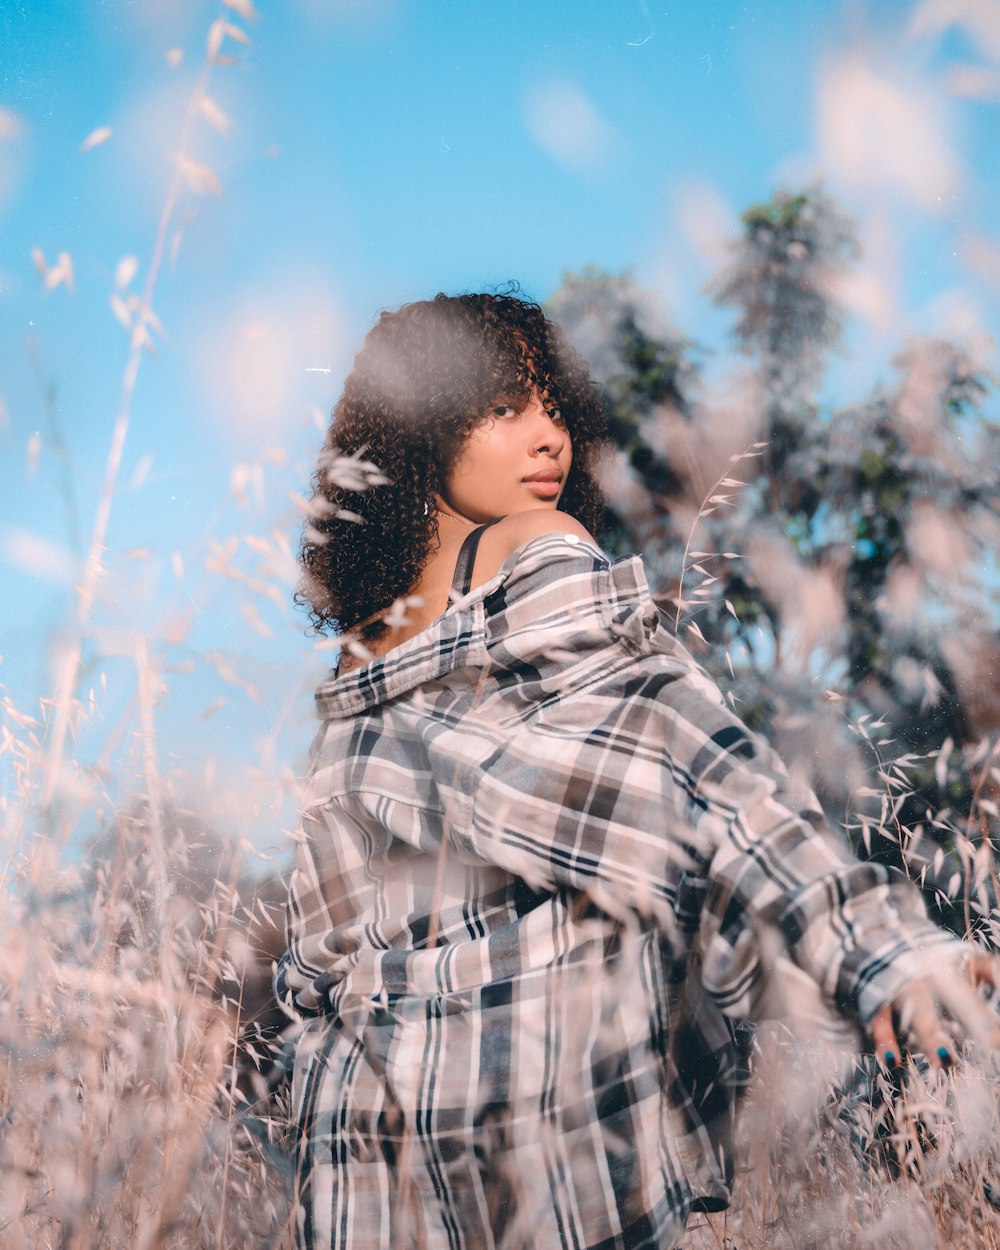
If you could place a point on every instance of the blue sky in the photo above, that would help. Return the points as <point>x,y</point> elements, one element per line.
<point>376,152</point>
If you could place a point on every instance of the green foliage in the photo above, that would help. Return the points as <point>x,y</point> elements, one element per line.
<point>643,367</point>
<point>779,279</point>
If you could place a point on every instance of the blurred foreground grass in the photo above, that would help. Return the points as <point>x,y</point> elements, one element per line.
<point>133,1022</point>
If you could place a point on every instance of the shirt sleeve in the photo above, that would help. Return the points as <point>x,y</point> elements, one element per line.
<point>328,887</point>
<point>304,974</point>
<point>775,869</point>
<point>626,776</point>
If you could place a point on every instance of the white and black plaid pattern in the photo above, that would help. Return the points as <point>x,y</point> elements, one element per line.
<point>537,859</point>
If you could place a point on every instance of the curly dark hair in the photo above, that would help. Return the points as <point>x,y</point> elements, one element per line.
<point>426,375</point>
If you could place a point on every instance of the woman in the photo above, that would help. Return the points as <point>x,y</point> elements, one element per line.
<point>539,859</point>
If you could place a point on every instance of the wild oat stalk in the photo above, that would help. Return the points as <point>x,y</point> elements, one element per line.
<point>187,174</point>
<point>718,496</point>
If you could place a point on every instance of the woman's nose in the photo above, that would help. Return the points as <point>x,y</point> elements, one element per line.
<point>547,434</point>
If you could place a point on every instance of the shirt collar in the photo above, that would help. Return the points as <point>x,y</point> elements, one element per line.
<point>454,639</point>
<point>458,637</point>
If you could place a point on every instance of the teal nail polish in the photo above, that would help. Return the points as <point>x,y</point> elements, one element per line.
<point>944,1054</point>
<point>890,1057</point>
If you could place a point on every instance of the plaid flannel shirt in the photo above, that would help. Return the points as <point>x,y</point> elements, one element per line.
<point>537,866</point>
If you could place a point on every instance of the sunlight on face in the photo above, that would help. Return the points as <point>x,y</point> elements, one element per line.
<point>518,458</point>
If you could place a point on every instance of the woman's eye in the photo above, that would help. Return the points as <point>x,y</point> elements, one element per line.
<point>554,414</point>
<point>504,410</point>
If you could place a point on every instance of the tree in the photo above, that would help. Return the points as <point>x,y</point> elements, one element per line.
<point>646,371</point>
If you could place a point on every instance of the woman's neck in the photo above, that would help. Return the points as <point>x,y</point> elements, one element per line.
<point>450,516</point>
<point>431,590</point>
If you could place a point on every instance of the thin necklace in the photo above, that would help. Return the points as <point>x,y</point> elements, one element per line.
<point>460,520</point>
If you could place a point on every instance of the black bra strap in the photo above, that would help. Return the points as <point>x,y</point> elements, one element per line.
<point>462,581</point>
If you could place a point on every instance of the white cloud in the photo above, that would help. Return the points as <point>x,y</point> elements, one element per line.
<point>566,125</point>
<point>881,132</point>
<point>38,556</point>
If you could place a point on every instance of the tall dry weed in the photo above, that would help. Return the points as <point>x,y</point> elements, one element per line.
<point>135,1031</point>
<point>122,1024</point>
<point>836,1156</point>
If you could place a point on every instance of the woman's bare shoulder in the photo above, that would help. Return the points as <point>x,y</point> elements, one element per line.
<point>513,531</point>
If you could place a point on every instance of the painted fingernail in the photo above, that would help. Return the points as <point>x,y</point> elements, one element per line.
<point>890,1057</point>
<point>944,1054</point>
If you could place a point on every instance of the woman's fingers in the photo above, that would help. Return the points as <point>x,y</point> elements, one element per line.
<point>974,1017</point>
<point>982,969</point>
<point>938,1012</point>
<point>884,1040</point>
<point>921,1019</point>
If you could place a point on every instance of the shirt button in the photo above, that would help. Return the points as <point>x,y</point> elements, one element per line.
<point>572,539</point>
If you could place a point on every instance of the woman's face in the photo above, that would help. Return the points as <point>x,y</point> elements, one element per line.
<point>517,458</point>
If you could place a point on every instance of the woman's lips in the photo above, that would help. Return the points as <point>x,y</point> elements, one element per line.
<point>544,488</point>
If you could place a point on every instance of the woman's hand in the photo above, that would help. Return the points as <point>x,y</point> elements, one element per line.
<point>939,1011</point>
